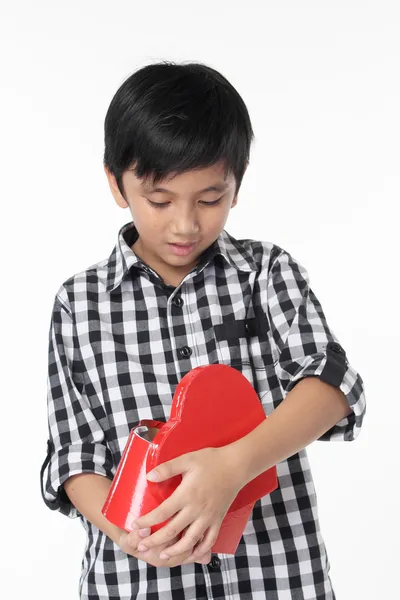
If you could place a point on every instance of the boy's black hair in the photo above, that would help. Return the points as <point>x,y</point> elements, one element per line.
<point>171,118</point>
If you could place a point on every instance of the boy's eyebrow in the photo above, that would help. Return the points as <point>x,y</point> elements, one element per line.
<point>218,187</point>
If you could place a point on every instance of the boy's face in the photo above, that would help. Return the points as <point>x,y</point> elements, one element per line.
<point>185,217</point>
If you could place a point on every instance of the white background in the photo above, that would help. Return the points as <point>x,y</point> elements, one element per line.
<point>321,83</point>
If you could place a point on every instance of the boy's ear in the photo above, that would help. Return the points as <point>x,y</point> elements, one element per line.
<point>112,182</point>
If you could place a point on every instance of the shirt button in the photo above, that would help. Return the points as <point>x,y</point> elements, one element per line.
<point>337,348</point>
<point>215,563</point>
<point>185,351</point>
<point>178,301</point>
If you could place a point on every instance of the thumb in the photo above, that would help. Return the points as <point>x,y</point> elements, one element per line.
<point>168,469</point>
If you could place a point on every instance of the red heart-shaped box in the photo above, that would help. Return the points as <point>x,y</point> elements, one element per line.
<point>213,405</point>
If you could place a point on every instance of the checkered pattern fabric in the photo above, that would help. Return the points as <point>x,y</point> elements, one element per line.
<point>120,341</point>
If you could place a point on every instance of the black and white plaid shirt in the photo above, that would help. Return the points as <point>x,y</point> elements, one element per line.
<point>120,342</point>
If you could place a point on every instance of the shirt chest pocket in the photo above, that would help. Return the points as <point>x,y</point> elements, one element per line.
<point>245,342</point>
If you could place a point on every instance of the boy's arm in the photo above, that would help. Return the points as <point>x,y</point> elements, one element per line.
<point>305,345</point>
<point>310,409</point>
<point>76,442</point>
<point>212,477</point>
<point>88,492</point>
<point>80,464</point>
<point>322,397</point>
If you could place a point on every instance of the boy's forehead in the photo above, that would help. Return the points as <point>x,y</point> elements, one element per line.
<point>217,186</point>
<point>199,180</point>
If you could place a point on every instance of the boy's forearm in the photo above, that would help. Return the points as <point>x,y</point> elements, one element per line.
<point>307,412</point>
<point>88,492</point>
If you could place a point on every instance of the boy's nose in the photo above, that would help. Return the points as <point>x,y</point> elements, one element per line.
<point>185,225</point>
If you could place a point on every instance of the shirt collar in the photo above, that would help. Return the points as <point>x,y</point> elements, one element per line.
<point>123,258</point>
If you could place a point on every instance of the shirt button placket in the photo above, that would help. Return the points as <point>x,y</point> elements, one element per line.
<point>178,301</point>
<point>215,563</point>
<point>185,352</point>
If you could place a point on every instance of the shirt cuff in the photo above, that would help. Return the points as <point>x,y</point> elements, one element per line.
<point>68,461</point>
<point>332,367</point>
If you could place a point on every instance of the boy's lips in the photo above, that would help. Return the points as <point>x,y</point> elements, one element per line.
<point>182,249</point>
<point>183,243</point>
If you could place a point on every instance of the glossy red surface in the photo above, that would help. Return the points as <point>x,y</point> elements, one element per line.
<point>213,405</point>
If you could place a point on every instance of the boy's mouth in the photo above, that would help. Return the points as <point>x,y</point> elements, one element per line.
<point>182,249</point>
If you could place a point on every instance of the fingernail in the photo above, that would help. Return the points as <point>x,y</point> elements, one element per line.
<point>142,548</point>
<point>163,556</point>
<point>144,532</point>
<point>152,476</point>
<point>134,527</point>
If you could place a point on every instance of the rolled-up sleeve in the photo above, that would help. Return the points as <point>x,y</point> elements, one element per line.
<point>306,346</point>
<point>76,441</point>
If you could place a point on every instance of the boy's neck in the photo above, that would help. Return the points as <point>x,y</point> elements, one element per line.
<point>169,274</point>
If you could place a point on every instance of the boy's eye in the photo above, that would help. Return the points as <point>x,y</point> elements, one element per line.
<point>162,204</point>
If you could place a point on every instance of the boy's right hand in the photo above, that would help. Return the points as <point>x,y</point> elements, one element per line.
<point>129,542</point>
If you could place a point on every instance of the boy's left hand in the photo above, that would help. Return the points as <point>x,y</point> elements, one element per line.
<point>210,482</point>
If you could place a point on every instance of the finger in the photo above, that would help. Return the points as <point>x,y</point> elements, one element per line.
<point>174,561</point>
<point>186,558</point>
<point>129,542</point>
<point>202,560</point>
<point>150,556</point>
<point>170,468</point>
<point>188,541</point>
<point>171,530</point>
<point>164,511</point>
<point>153,556</point>
<point>136,537</point>
<point>209,540</point>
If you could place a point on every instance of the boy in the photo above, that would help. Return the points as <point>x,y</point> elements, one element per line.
<point>126,330</point>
